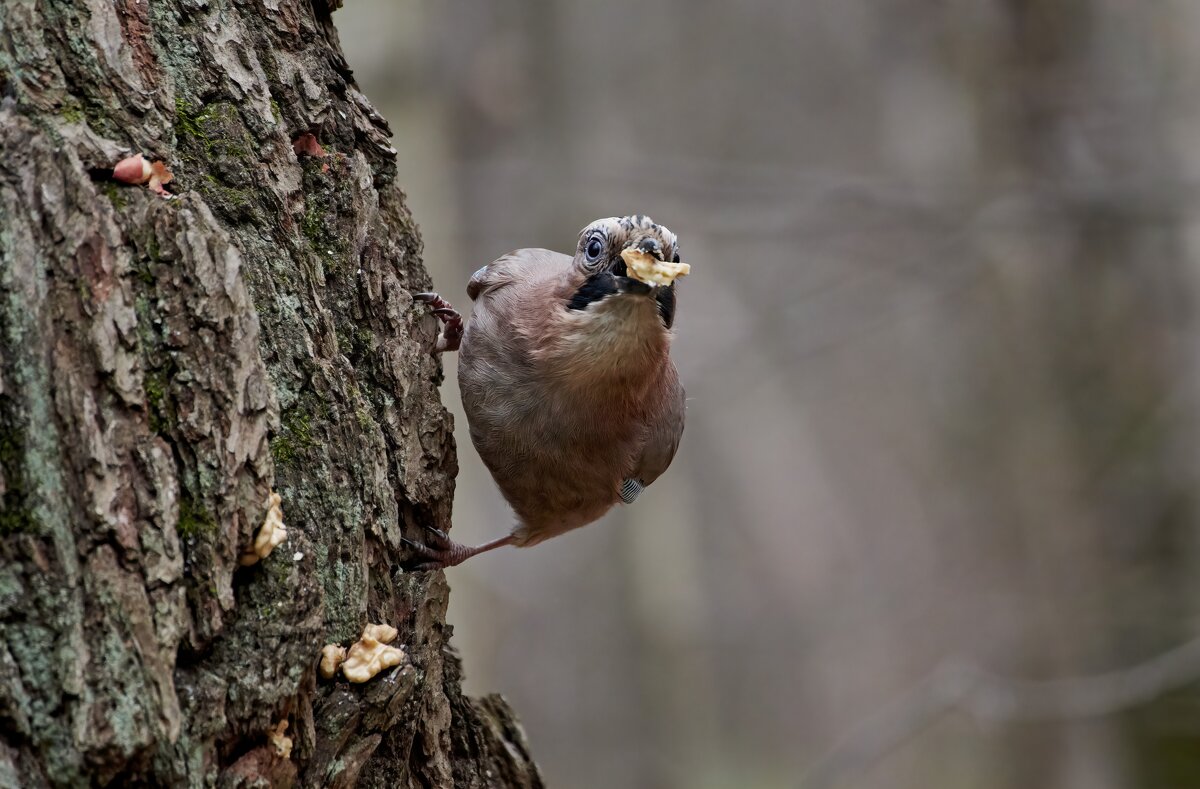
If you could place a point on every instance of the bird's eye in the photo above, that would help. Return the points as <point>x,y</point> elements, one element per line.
<point>594,249</point>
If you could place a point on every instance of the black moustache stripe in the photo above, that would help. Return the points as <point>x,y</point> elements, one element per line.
<point>596,287</point>
<point>666,304</point>
<point>604,283</point>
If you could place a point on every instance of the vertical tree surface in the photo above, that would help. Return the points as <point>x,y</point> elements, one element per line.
<point>167,363</point>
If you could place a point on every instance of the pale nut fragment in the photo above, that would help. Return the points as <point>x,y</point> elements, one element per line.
<point>384,634</point>
<point>269,536</point>
<point>137,169</point>
<point>645,267</point>
<point>133,170</point>
<point>282,743</point>
<point>332,656</point>
<point>369,655</point>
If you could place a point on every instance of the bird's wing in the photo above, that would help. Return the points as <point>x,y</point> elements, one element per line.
<point>662,434</point>
<point>526,266</point>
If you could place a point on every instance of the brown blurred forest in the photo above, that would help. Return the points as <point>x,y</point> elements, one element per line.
<point>940,344</point>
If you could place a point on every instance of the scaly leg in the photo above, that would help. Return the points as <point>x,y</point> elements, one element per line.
<point>452,321</point>
<point>443,552</point>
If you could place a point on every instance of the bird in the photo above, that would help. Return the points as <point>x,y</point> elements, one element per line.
<point>565,372</point>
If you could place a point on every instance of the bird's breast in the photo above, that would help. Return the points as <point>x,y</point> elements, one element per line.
<point>620,337</point>
<point>556,403</point>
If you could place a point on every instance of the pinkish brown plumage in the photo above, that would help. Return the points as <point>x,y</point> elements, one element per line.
<point>571,396</point>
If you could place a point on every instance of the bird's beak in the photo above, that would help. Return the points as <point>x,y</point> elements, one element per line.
<point>627,284</point>
<point>648,250</point>
<point>651,247</point>
<point>647,264</point>
<point>631,284</point>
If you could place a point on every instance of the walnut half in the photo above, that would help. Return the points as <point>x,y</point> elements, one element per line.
<point>645,267</point>
<point>370,654</point>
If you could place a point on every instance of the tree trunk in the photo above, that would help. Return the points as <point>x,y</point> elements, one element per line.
<point>165,364</point>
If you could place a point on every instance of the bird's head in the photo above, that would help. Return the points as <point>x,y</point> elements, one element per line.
<point>599,271</point>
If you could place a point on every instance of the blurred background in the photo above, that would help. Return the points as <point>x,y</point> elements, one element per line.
<point>941,350</point>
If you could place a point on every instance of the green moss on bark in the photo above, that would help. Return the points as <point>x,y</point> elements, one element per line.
<point>16,515</point>
<point>194,519</point>
<point>218,157</point>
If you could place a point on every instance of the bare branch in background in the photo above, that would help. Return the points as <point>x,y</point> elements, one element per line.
<point>989,698</point>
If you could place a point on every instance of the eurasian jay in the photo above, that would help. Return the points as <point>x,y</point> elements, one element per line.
<point>566,376</point>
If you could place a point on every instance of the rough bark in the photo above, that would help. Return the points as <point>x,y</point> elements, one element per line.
<point>165,364</point>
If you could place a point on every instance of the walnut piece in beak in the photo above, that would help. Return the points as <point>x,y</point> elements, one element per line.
<point>646,268</point>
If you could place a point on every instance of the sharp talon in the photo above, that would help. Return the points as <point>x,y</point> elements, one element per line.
<point>423,550</point>
<point>438,553</point>
<point>438,534</point>
<point>427,558</point>
<point>452,323</point>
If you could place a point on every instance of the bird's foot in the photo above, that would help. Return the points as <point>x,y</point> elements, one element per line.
<point>452,322</point>
<point>440,552</point>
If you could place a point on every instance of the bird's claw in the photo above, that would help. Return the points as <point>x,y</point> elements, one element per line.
<point>440,538</point>
<point>452,322</point>
<point>443,553</point>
